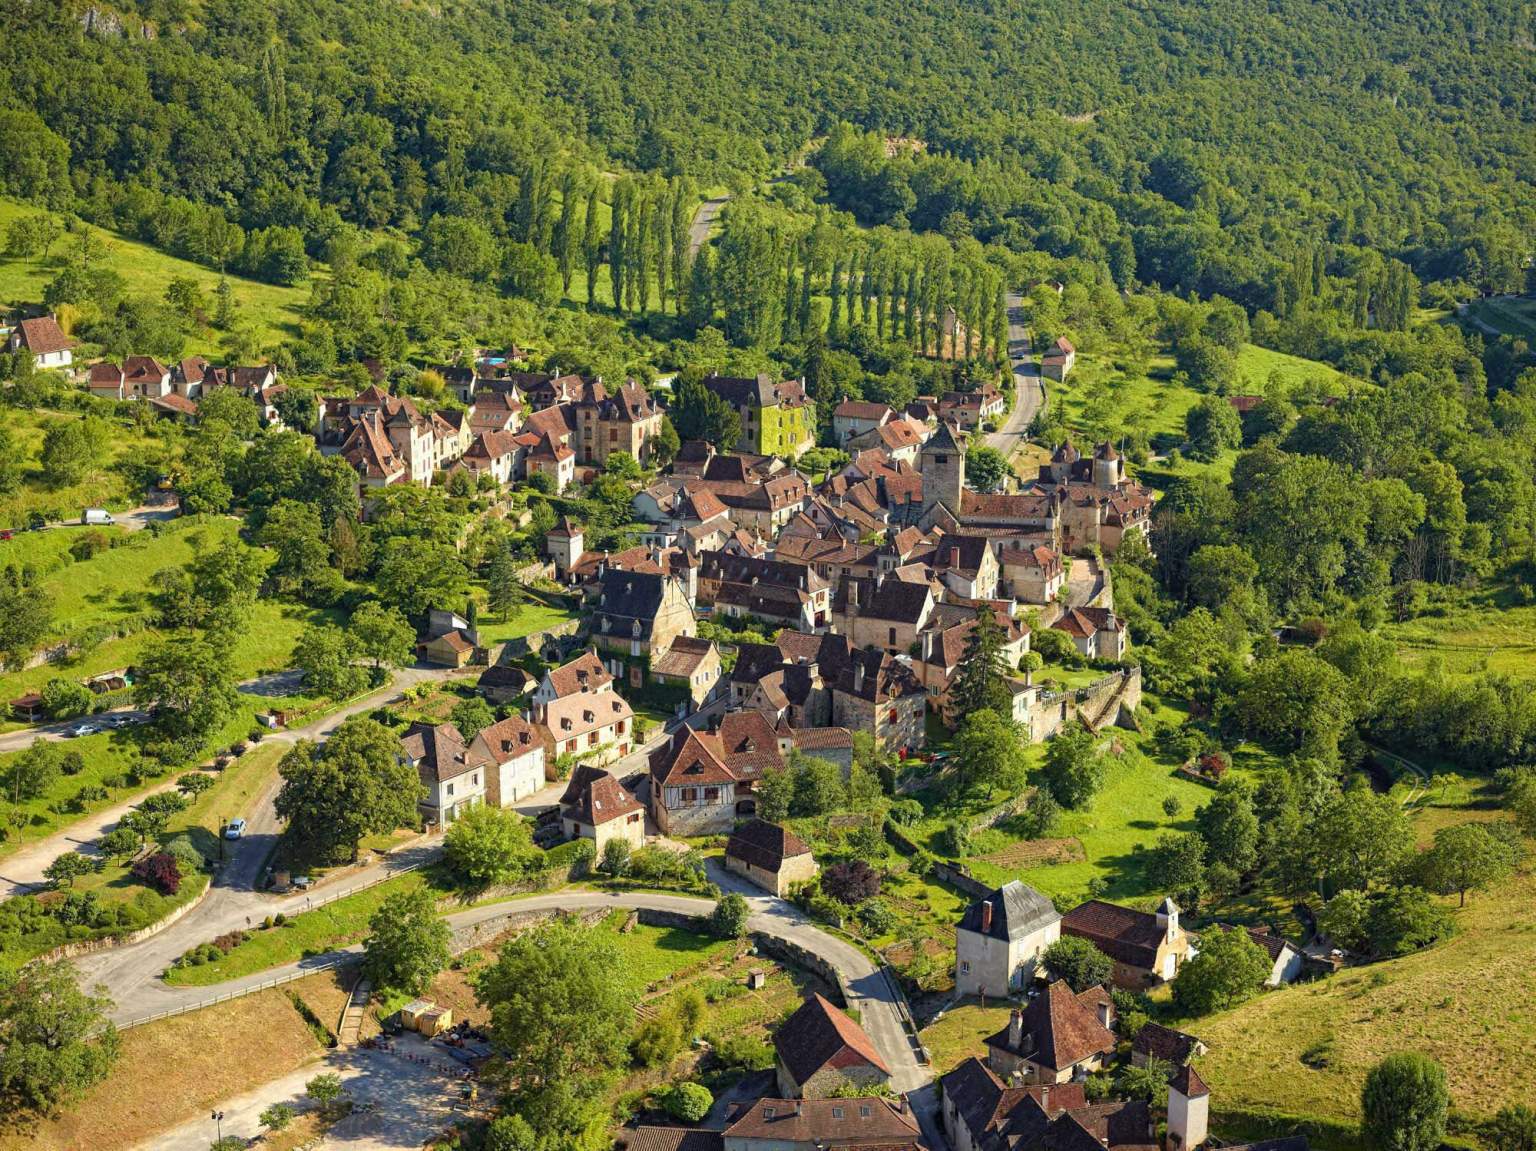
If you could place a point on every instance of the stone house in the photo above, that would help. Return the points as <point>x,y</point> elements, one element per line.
<point>943,645</point>
<point>1000,939</point>
<point>451,649</point>
<point>869,1122</point>
<point>589,727</point>
<point>1030,572</point>
<point>855,417</point>
<point>897,441</point>
<point>819,1051</point>
<point>453,780</point>
<point>597,806</point>
<point>1147,947</point>
<point>1058,360</point>
<point>1096,632</point>
<point>777,419</point>
<point>547,457</point>
<point>885,612</point>
<point>788,594</point>
<point>983,1113</point>
<point>692,664</point>
<point>634,617</point>
<point>969,410</point>
<point>492,453</point>
<point>512,755</point>
<point>967,566</point>
<point>880,694</point>
<point>770,856</point>
<point>702,780</point>
<point>1057,1037</point>
<point>43,337</point>
<point>139,377</point>
<point>585,673</point>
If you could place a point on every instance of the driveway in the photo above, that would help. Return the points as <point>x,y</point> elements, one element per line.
<point>703,220</point>
<point>1028,393</point>
<point>60,731</point>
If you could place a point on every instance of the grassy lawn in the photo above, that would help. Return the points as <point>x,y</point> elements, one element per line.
<point>105,486</point>
<point>1515,316</point>
<point>525,619</point>
<point>1256,365</point>
<point>961,1031</point>
<point>275,311</point>
<point>1105,395</point>
<point>111,759</point>
<point>176,1069</point>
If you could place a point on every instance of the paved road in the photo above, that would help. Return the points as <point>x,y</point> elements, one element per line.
<point>1026,383</point>
<point>132,973</point>
<point>54,732</point>
<point>703,220</point>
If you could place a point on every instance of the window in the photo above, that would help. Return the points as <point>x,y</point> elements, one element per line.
<point>635,817</point>
<point>864,1111</point>
<point>475,779</point>
<point>450,789</point>
<point>711,795</point>
<point>690,794</point>
<point>965,966</point>
<point>893,637</point>
<point>591,739</point>
<point>837,1112</point>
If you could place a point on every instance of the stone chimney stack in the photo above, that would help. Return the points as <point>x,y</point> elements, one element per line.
<point>1107,1015</point>
<point>1016,1031</point>
<point>858,686</point>
<point>986,916</point>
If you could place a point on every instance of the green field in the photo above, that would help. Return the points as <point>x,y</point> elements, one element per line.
<point>1512,315</point>
<point>112,588</point>
<point>1470,639</point>
<point>274,311</point>
<point>107,485</point>
<point>1104,396</point>
<point>524,620</point>
<point>1256,365</point>
<point>1465,1003</point>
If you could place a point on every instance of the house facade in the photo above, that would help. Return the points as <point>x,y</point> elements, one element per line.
<point>1148,948</point>
<point>1000,940</point>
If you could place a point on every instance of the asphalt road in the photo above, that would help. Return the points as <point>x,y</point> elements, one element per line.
<point>703,220</point>
<point>1026,383</point>
<point>52,732</point>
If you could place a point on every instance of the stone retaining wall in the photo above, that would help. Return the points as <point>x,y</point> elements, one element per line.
<point>107,942</point>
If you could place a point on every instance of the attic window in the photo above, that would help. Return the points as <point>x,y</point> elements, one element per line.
<point>864,1111</point>
<point>767,1112</point>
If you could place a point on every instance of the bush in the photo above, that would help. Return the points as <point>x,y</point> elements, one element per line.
<point>876,917</point>
<point>729,918</point>
<point>851,883</point>
<point>188,858</point>
<point>1172,805</point>
<point>159,871</point>
<point>689,1102</point>
<point>616,853</point>
<point>738,1052</point>
<point>906,812</point>
<point>954,840</point>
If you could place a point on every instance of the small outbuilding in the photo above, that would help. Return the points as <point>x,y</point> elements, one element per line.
<point>769,856</point>
<point>29,708</point>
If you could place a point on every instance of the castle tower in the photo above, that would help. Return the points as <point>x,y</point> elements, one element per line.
<point>1108,468</point>
<point>1189,1109</point>
<point>564,544</point>
<point>942,463</point>
<point>1168,918</point>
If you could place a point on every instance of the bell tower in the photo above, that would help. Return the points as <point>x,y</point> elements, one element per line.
<point>942,463</point>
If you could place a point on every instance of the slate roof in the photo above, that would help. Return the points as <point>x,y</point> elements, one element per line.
<point>601,800</point>
<point>1018,910</point>
<point>764,845</point>
<point>437,751</point>
<point>624,596</point>
<point>1165,1043</point>
<point>683,658</point>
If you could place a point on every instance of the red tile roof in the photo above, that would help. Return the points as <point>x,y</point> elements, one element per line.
<point>819,1035</point>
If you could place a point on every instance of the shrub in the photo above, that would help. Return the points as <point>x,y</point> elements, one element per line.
<point>616,853</point>
<point>851,883</point>
<point>954,840</point>
<point>906,812</point>
<point>876,917</point>
<point>159,871</point>
<point>1079,962</point>
<point>740,1052</point>
<point>1172,805</point>
<point>729,918</point>
<point>689,1102</point>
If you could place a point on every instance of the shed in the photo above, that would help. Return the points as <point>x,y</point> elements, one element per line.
<point>28,707</point>
<point>411,1013</point>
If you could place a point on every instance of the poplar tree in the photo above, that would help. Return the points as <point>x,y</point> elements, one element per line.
<point>592,243</point>
<point>616,243</point>
<point>834,316</point>
<point>565,230</point>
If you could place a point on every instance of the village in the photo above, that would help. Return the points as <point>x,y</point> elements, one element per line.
<point>767,620</point>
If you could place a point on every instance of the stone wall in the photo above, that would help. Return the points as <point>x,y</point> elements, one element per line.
<point>106,943</point>
<point>478,934</point>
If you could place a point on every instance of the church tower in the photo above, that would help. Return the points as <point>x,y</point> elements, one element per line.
<point>942,463</point>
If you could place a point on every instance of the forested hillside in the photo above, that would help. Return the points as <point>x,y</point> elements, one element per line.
<point>1209,135</point>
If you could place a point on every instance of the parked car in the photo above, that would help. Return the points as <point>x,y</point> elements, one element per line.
<point>234,829</point>
<point>82,729</point>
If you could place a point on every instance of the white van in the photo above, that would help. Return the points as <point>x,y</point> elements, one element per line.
<point>97,516</point>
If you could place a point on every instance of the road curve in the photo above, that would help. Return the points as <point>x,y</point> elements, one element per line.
<point>868,991</point>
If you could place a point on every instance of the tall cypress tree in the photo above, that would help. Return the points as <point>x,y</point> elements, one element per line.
<point>592,243</point>
<point>909,306</point>
<point>616,234</point>
<point>661,243</point>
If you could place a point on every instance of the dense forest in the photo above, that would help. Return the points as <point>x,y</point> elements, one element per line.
<point>1189,145</point>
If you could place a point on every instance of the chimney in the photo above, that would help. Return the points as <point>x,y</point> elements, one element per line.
<point>1106,1014</point>
<point>1045,1100</point>
<point>853,592</point>
<point>1016,1029</point>
<point>986,916</point>
<point>858,686</point>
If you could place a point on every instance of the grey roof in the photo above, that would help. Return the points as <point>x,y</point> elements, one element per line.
<point>1018,910</point>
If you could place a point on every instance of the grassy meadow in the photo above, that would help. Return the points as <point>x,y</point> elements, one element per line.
<point>274,311</point>
<point>1512,315</point>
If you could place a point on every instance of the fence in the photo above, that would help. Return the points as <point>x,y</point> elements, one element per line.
<point>277,981</point>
